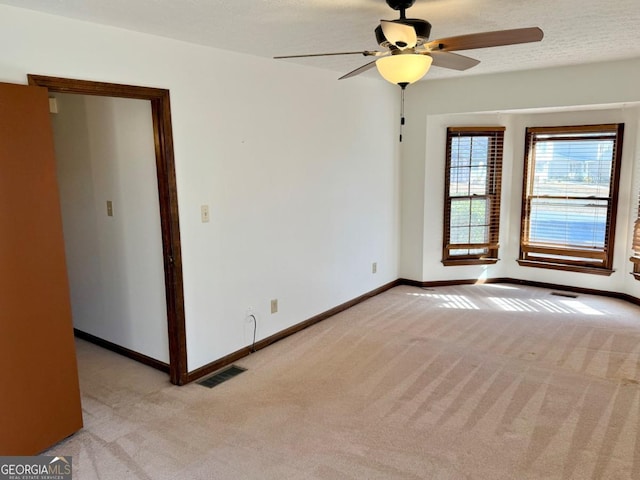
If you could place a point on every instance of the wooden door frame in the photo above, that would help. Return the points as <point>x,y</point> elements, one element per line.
<point>168,196</point>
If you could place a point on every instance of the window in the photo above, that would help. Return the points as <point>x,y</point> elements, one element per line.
<point>570,197</point>
<point>473,174</point>
<point>636,247</point>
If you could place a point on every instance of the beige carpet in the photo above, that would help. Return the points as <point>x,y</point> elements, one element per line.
<point>472,382</point>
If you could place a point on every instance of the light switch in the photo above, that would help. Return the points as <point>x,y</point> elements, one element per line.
<point>109,208</point>
<point>204,213</point>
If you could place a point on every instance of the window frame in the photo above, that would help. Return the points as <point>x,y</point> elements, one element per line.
<point>635,246</point>
<point>492,194</point>
<point>544,253</point>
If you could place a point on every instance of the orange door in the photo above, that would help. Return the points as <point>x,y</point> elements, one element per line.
<point>39,393</point>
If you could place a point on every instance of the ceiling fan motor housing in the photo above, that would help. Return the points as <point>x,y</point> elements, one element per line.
<point>400,4</point>
<point>422,28</point>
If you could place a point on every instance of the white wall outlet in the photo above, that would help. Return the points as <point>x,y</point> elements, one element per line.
<point>274,305</point>
<point>204,213</point>
<point>374,267</point>
<point>249,311</point>
<point>53,105</point>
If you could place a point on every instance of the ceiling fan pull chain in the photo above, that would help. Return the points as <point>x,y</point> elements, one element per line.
<point>403,86</point>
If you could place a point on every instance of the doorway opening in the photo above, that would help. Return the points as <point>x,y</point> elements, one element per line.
<point>167,196</point>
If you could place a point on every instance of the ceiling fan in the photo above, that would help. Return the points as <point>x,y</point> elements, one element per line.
<point>409,53</point>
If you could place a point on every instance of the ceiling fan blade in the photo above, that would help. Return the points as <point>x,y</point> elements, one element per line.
<point>453,61</point>
<point>487,39</point>
<point>359,70</point>
<point>401,35</point>
<point>366,53</point>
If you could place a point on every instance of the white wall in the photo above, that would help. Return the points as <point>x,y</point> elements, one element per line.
<point>587,94</point>
<point>300,171</point>
<point>105,152</point>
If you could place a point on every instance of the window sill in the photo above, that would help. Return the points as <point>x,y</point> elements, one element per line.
<point>469,261</point>
<point>570,268</point>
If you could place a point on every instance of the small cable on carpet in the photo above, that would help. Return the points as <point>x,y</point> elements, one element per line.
<point>255,327</point>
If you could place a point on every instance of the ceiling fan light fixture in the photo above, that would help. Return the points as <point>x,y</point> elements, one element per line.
<point>404,68</point>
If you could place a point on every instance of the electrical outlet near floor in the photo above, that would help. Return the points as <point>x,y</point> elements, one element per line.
<point>274,305</point>
<point>374,267</point>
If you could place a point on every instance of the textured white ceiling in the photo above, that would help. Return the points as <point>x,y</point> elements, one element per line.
<point>576,31</point>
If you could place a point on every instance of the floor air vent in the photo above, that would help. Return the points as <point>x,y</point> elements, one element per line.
<point>564,294</point>
<point>222,376</point>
